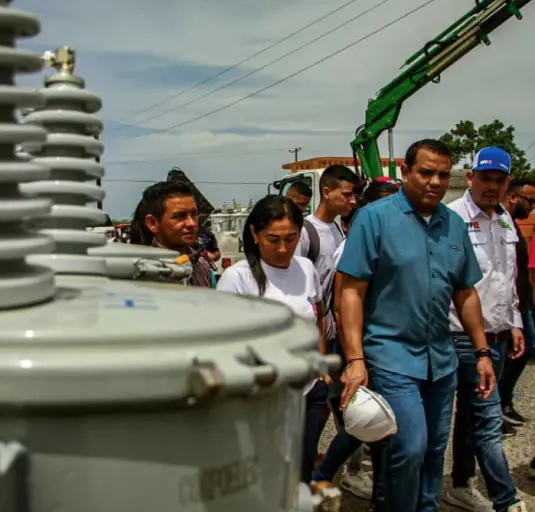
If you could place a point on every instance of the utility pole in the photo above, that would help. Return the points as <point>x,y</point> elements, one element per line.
<point>99,180</point>
<point>295,151</point>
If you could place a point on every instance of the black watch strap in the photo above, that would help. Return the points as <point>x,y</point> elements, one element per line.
<point>482,352</point>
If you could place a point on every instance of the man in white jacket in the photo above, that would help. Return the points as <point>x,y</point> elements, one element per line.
<point>478,421</point>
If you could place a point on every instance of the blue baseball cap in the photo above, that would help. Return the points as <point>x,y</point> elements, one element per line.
<point>492,159</point>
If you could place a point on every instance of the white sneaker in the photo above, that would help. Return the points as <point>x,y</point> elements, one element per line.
<point>469,498</point>
<point>519,506</point>
<point>360,484</point>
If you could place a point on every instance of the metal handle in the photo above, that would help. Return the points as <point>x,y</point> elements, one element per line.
<point>208,380</point>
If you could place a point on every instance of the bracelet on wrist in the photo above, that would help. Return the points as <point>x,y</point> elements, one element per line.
<point>349,362</point>
<point>483,352</point>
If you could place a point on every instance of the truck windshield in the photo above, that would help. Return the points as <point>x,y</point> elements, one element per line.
<point>300,191</point>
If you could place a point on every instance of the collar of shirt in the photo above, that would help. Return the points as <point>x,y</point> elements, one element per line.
<point>156,243</point>
<point>474,210</point>
<point>407,207</point>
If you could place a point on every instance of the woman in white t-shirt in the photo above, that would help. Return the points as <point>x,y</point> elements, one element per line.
<point>271,270</point>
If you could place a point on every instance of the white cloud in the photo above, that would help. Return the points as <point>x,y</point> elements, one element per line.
<point>135,53</point>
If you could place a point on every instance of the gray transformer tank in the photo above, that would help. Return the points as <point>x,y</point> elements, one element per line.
<point>131,397</point>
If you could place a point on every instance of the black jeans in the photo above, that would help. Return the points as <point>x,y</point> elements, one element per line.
<point>315,419</point>
<point>344,445</point>
<point>513,368</point>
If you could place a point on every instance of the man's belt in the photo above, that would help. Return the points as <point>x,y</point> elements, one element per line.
<point>499,337</point>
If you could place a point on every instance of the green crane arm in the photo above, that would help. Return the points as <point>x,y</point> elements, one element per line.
<point>423,67</point>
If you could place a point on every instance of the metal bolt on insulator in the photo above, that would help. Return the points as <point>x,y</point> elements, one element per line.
<point>21,283</point>
<point>70,153</point>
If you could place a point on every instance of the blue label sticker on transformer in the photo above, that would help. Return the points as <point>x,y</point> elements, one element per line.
<point>123,301</point>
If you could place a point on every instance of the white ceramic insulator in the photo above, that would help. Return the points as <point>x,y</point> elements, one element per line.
<point>21,283</point>
<point>70,152</point>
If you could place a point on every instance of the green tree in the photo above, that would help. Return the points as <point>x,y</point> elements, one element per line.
<point>465,140</point>
<point>250,204</point>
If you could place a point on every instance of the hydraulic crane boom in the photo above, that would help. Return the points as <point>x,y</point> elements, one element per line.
<point>423,67</point>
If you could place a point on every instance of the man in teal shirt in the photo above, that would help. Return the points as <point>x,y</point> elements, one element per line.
<point>406,258</point>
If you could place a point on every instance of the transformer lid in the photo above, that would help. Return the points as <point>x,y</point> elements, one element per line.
<point>117,342</point>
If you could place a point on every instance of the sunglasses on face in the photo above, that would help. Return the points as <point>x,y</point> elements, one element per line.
<point>530,200</point>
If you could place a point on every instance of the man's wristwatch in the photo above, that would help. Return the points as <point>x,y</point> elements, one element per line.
<point>482,352</point>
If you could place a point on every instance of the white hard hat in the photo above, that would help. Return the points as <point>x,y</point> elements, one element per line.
<point>368,417</point>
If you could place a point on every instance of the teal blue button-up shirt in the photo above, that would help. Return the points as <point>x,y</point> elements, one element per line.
<point>413,266</point>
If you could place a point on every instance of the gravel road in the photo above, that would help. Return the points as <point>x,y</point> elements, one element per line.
<point>519,449</point>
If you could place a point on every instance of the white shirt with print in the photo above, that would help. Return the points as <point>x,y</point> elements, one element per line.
<point>330,237</point>
<point>297,286</point>
<point>494,240</point>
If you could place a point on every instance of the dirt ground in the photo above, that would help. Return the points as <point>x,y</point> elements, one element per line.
<point>519,449</point>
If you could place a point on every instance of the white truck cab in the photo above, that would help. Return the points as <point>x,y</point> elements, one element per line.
<point>310,178</point>
<point>458,185</point>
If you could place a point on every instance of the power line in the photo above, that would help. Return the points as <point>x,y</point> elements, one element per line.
<point>200,155</point>
<point>234,66</point>
<point>194,182</point>
<point>527,150</point>
<point>288,77</point>
<point>261,68</point>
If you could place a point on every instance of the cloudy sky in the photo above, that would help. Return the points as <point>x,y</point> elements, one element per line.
<point>138,54</point>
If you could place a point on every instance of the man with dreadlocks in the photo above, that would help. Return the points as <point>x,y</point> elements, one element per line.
<point>167,216</point>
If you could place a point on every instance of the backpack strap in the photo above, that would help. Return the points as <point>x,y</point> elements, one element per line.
<point>330,306</point>
<point>339,229</point>
<point>314,241</point>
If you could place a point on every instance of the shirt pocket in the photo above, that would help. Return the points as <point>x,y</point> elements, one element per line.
<point>509,240</point>
<point>455,257</point>
<point>479,243</point>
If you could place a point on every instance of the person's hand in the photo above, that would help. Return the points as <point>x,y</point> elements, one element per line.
<point>518,344</point>
<point>354,376</point>
<point>487,377</point>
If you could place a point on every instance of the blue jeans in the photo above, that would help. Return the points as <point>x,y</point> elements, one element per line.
<point>414,457</point>
<point>513,368</point>
<point>478,429</point>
